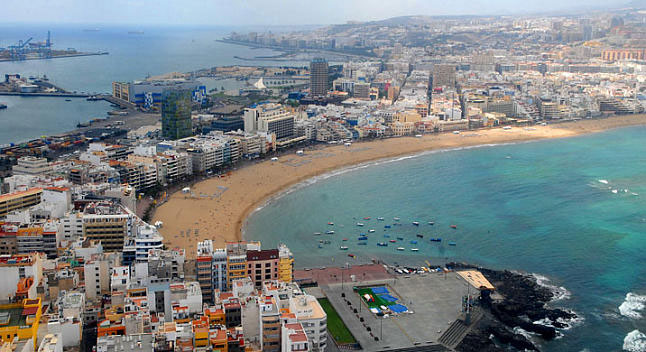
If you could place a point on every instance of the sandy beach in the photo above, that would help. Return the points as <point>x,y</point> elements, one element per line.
<point>218,207</point>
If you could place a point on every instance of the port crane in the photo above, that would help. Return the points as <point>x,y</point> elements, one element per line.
<point>18,51</point>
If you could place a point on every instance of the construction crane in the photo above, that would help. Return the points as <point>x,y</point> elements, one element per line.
<point>18,51</point>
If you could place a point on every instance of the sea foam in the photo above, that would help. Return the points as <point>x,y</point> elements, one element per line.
<point>635,341</point>
<point>559,292</point>
<point>632,306</point>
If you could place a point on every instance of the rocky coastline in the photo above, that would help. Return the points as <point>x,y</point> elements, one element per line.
<point>513,312</point>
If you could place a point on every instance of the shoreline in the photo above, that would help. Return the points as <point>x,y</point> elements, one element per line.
<point>255,185</point>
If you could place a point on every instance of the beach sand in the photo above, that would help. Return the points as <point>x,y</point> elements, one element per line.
<point>219,206</point>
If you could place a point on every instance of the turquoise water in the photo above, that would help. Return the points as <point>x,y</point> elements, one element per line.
<point>536,207</point>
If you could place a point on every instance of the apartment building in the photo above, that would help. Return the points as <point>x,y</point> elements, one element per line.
<point>19,200</point>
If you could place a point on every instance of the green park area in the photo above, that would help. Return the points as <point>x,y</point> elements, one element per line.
<point>335,325</point>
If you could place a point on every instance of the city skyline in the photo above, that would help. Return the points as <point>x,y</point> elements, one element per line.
<point>289,12</point>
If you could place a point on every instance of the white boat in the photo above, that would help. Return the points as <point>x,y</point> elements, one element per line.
<point>614,191</point>
<point>317,233</point>
<point>605,182</point>
<point>414,249</point>
<point>359,224</point>
<point>330,232</point>
<point>371,230</point>
<point>416,223</point>
<point>400,248</point>
<point>343,248</point>
<point>274,159</point>
<point>380,218</point>
<point>396,219</point>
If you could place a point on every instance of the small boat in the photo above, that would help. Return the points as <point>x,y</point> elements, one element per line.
<point>327,242</point>
<point>436,239</point>
<point>386,235</point>
<point>400,238</point>
<point>360,224</point>
<point>345,239</point>
<point>387,226</point>
<point>414,249</point>
<point>380,219</point>
<point>68,99</point>
<point>396,219</point>
<point>400,248</point>
<point>320,245</point>
<point>330,223</point>
<point>392,241</point>
<point>419,235</point>
<point>366,218</point>
<point>317,234</point>
<point>416,223</point>
<point>329,232</point>
<point>431,223</point>
<point>351,255</point>
<point>3,106</point>
<point>454,226</point>
<point>362,243</point>
<point>362,238</point>
<point>371,230</point>
<point>343,248</point>
<point>413,242</point>
<point>452,244</point>
<point>382,244</point>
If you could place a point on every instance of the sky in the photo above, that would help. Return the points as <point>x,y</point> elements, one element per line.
<point>263,12</point>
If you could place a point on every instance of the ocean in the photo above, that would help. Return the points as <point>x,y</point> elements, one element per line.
<point>155,51</point>
<point>571,211</point>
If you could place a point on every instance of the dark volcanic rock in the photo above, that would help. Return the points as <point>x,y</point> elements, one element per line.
<point>524,302</point>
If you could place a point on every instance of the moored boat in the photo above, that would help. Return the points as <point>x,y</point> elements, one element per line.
<point>329,232</point>
<point>400,248</point>
<point>387,226</point>
<point>317,233</point>
<point>371,230</point>
<point>454,226</point>
<point>382,244</point>
<point>362,243</point>
<point>360,224</point>
<point>362,238</point>
<point>343,248</point>
<point>414,249</point>
<point>392,241</point>
<point>416,223</point>
<point>436,239</point>
<point>431,223</point>
<point>396,219</point>
<point>380,219</point>
<point>420,235</point>
<point>400,238</point>
<point>330,223</point>
<point>452,244</point>
<point>366,218</point>
<point>413,242</point>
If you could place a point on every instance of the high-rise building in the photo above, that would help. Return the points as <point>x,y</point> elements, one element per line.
<point>176,114</point>
<point>318,77</point>
<point>270,118</point>
<point>444,75</point>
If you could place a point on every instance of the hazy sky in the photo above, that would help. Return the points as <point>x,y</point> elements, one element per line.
<point>262,12</point>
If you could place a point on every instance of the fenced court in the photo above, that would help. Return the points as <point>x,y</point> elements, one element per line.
<point>376,298</point>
